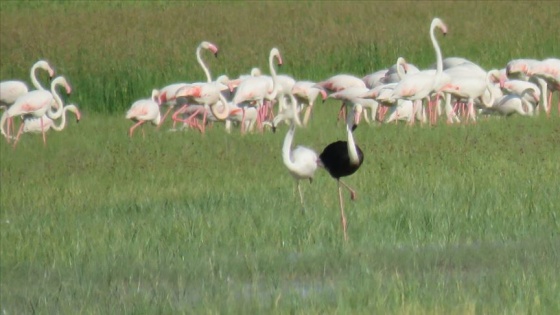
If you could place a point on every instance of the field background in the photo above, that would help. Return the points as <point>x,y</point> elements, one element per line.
<point>449,219</point>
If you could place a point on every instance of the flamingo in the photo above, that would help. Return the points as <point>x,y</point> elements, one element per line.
<point>301,162</point>
<point>144,110</point>
<point>306,93</point>
<point>418,86</point>
<point>374,79</point>
<point>258,89</point>
<point>33,124</point>
<point>341,82</point>
<point>36,103</point>
<point>398,71</point>
<point>402,111</point>
<point>467,85</point>
<point>357,96</point>
<point>207,95</point>
<point>520,87</point>
<point>507,105</point>
<point>340,159</point>
<point>11,90</point>
<point>167,94</point>
<point>548,70</point>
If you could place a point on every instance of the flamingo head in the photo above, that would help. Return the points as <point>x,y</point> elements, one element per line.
<point>163,98</point>
<point>62,81</point>
<point>43,64</point>
<point>232,84</point>
<point>255,72</point>
<point>155,96</point>
<point>437,22</point>
<point>211,47</point>
<point>78,115</point>
<point>276,53</point>
<point>323,94</point>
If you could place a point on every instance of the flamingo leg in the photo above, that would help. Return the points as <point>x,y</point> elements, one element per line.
<point>10,124</point>
<point>165,116</point>
<point>300,195</point>
<point>20,131</point>
<point>43,131</point>
<point>243,131</point>
<point>341,113</point>
<point>342,215</point>
<point>131,131</point>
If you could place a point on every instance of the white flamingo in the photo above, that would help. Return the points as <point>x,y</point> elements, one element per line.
<point>11,90</point>
<point>301,162</point>
<point>33,124</point>
<point>36,103</point>
<point>144,110</point>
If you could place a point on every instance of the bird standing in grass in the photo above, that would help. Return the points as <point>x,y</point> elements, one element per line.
<point>144,110</point>
<point>340,159</point>
<point>301,162</point>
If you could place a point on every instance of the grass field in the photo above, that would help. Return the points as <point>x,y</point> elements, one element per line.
<point>457,219</point>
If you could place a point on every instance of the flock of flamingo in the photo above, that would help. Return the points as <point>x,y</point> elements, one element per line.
<point>454,86</point>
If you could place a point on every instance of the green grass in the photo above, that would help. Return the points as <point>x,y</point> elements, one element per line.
<point>449,219</point>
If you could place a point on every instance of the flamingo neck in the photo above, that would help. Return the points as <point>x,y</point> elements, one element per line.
<point>56,114</point>
<point>225,111</point>
<point>274,92</point>
<point>286,148</point>
<point>490,89</point>
<point>62,120</point>
<point>544,91</point>
<point>439,59</point>
<point>401,63</point>
<point>34,80</point>
<point>202,64</point>
<point>352,151</point>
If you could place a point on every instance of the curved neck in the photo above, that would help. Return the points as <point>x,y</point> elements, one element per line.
<point>286,148</point>
<point>34,80</point>
<point>490,90</point>
<point>439,59</point>
<point>225,111</point>
<point>62,121</point>
<point>56,114</point>
<point>401,72</point>
<point>202,64</point>
<point>274,92</point>
<point>352,151</point>
<point>544,92</point>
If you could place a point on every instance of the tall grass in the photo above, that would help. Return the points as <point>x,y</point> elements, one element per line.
<point>449,219</point>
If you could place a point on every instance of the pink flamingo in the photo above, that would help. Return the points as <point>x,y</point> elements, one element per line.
<point>144,110</point>
<point>374,79</point>
<point>306,93</point>
<point>398,71</point>
<point>419,86</point>
<point>548,70</point>
<point>258,89</point>
<point>338,83</point>
<point>35,103</point>
<point>167,94</point>
<point>204,95</point>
